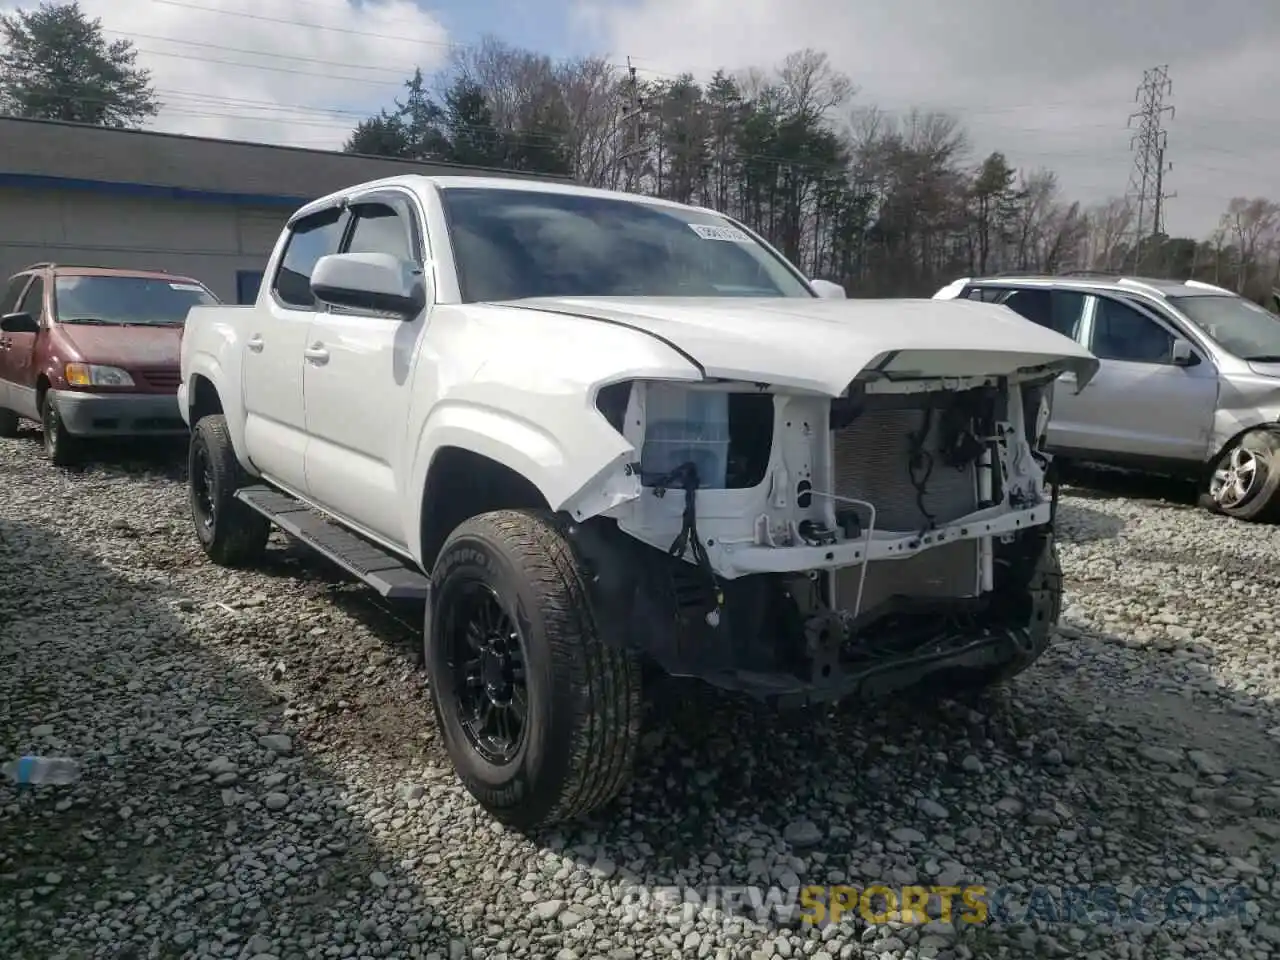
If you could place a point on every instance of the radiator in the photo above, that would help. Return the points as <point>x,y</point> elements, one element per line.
<point>870,458</point>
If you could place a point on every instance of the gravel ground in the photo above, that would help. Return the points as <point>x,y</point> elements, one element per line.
<point>262,777</point>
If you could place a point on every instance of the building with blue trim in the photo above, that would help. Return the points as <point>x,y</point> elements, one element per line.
<point>209,209</point>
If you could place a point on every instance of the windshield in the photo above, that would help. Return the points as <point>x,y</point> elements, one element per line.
<point>127,300</point>
<point>512,244</point>
<point>1240,326</point>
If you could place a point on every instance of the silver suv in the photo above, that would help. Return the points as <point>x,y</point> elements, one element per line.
<point>1189,382</point>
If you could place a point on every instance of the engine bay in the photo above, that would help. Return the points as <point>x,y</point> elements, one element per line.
<point>895,523</point>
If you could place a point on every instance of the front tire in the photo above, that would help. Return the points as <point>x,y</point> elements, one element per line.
<point>232,533</point>
<point>540,716</point>
<point>60,447</point>
<point>1244,482</point>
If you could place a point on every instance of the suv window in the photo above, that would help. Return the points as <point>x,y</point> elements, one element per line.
<point>309,240</point>
<point>1059,310</point>
<point>379,229</point>
<point>10,302</point>
<point>1122,333</point>
<point>986,294</point>
<point>33,302</point>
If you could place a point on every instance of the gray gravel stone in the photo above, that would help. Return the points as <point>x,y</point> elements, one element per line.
<point>262,776</point>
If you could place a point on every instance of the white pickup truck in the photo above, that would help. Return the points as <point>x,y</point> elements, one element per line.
<point>596,431</point>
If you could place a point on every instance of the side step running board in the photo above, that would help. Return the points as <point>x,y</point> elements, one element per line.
<point>381,570</point>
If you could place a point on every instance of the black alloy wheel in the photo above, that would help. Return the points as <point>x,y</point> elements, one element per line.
<point>486,657</point>
<point>203,504</point>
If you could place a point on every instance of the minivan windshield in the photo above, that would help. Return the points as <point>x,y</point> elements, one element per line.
<point>1240,326</point>
<point>510,244</point>
<point>127,300</point>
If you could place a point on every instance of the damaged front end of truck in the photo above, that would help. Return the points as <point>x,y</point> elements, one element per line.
<point>806,548</point>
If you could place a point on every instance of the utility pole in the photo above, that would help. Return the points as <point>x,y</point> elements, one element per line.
<point>632,120</point>
<point>1148,144</point>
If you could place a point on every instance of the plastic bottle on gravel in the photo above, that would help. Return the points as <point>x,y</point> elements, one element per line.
<point>35,770</point>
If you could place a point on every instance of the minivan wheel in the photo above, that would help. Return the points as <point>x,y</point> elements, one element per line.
<point>8,424</point>
<point>60,447</point>
<point>1245,481</point>
<point>232,533</point>
<point>540,716</point>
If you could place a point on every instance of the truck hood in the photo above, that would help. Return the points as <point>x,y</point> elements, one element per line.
<point>132,346</point>
<point>822,345</point>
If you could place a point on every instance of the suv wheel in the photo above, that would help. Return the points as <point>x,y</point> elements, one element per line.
<point>231,532</point>
<point>540,716</point>
<point>60,447</point>
<point>1245,481</point>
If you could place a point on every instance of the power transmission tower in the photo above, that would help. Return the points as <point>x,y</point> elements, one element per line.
<point>632,120</point>
<point>1146,181</point>
<point>1162,167</point>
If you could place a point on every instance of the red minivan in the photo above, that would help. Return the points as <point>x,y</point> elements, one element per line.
<point>93,352</point>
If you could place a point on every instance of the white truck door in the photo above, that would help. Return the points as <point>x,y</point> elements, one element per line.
<point>275,413</point>
<point>358,380</point>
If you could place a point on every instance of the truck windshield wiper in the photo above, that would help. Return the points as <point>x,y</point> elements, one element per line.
<point>1264,358</point>
<point>94,320</point>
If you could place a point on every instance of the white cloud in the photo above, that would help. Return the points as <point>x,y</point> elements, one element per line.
<point>300,85</point>
<point>1050,84</point>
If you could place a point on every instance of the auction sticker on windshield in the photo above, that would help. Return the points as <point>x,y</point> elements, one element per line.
<point>719,233</point>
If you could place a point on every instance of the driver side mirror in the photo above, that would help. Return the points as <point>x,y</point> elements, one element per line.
<point>828,290</point>
<point>371,281</point>
<point>1182,354</point>
<point>19,323</point>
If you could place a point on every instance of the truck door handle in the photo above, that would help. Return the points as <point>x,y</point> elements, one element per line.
<point>317,354</point>
<point>255,343</point>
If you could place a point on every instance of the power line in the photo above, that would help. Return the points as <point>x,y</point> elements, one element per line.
<point>1146,179</point>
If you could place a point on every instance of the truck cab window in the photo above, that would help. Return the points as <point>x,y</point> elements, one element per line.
<point>379,229</point>
<point>311,238</point>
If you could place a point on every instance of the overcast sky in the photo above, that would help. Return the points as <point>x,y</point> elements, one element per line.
<point>1050,83</point>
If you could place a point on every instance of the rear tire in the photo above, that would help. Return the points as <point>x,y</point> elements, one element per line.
<point>8,424</point>
<point>1244,482</point>
<point>232,533</point>
<point>511,634</point>
<point>60,447</point>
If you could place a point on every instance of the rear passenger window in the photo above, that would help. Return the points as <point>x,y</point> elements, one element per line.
<point>10,302</point>
<point>33,302</point>
<point>1059,310</point>
<point>1066,307</point>
<point>380,229</point>
<point>1122,333</point>
<point>312,238</point>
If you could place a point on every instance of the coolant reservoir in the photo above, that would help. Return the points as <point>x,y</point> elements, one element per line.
<point>684,425</point>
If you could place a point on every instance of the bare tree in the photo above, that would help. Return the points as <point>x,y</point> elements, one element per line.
<point>1252,225</point>
<point>1109,225</point>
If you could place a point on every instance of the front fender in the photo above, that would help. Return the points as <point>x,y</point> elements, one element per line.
<point>582,470</point>
<point>1243,405</point>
